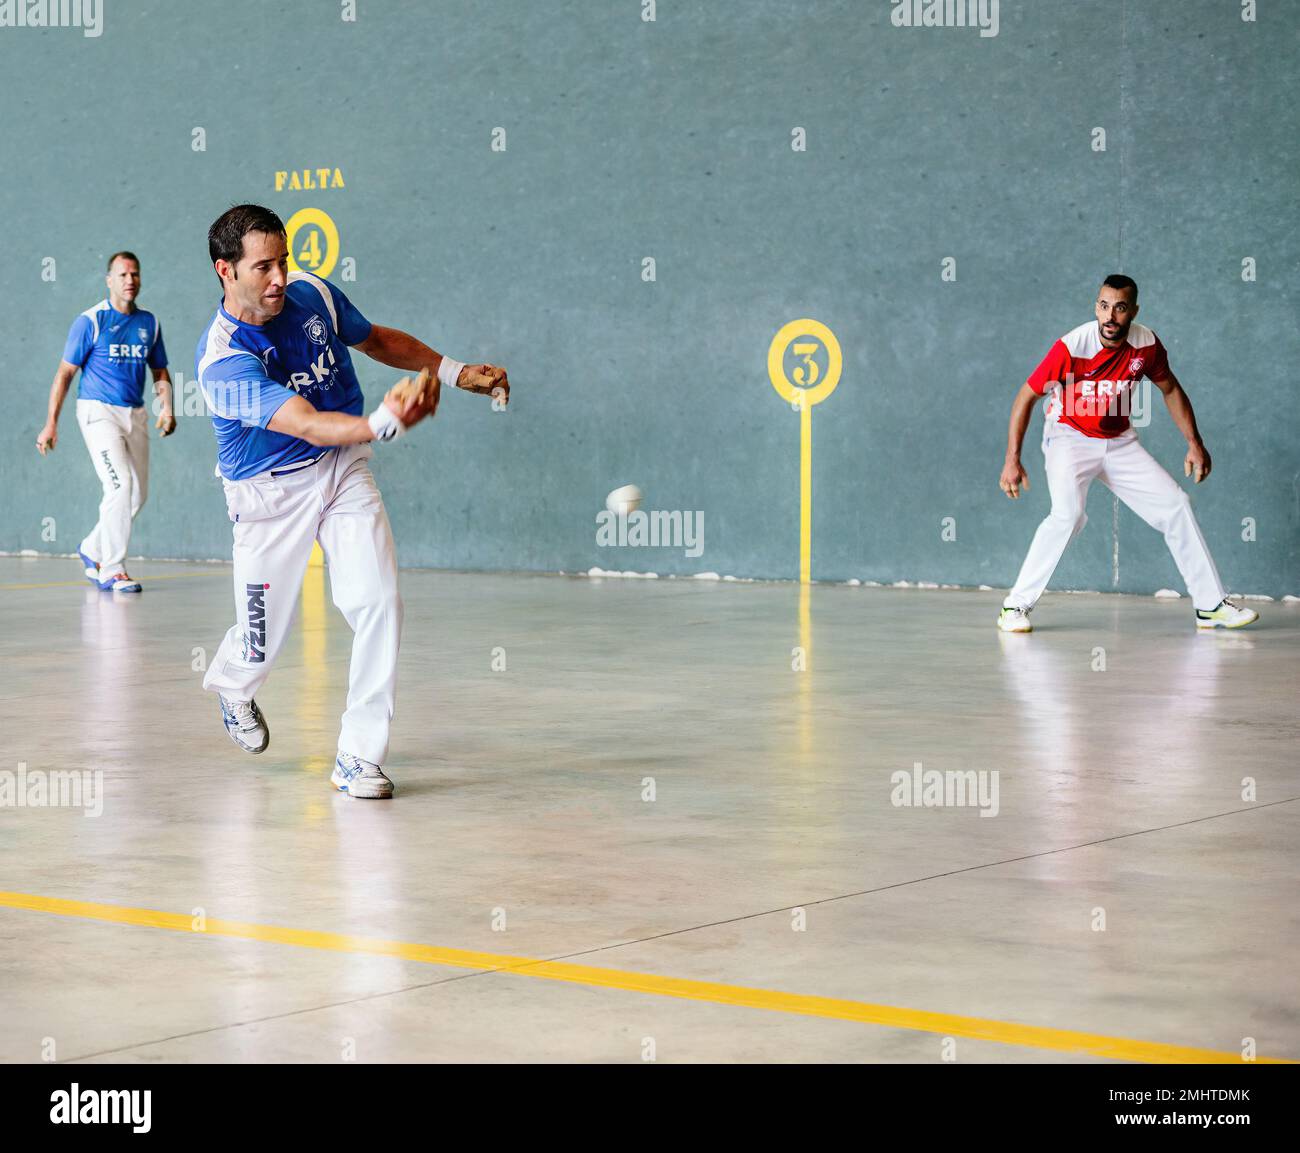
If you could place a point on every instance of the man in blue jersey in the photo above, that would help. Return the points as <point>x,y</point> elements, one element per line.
<point>292,447</point>
<point>110,344</point>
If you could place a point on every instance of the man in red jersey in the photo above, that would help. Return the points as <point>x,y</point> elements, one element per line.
<point>1091,372</point>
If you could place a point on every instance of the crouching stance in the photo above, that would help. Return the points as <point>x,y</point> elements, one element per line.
<point>1087,435</point>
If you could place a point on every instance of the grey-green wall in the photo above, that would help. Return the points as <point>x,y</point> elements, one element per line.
<point>672,140</point>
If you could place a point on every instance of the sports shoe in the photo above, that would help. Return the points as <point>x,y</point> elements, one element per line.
<point>245,724</point>
<point>1014,619</point>
<point>91,566</point>
<point>120,583</point>
<point>1226,616</point>
<point>360,778</point>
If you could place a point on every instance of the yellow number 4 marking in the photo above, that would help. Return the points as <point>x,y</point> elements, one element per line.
<point>317,249</point>
<point>310,255</point>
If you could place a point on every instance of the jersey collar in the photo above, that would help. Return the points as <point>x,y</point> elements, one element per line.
<point>221,308</point>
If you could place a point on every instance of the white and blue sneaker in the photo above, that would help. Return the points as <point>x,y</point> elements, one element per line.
<point>1225,615</point>
<point>91,566</point>
<point>245,724</point>
<point>360,779</point>
<point>120,583</point>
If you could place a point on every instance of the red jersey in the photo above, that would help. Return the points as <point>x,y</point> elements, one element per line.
<point>1091,383</point>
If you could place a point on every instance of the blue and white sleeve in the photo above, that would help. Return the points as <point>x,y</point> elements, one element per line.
<point>237,388</point>
<point>158,353</point>
<point>80,341</point>
<point>353,327</point>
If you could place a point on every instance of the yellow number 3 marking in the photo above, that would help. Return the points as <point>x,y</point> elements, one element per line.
<point>804,338</point>
<point>806,349</point>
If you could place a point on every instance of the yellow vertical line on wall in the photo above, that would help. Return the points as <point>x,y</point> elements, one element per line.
<point>805,677</point>
<point>313,616</point>
<point>805,627</point>
<point>314,682</point>
<point>810,386</point>
<point>805,492</point>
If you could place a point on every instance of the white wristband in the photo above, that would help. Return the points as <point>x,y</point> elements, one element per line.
<point>385,424</point>
<point>449,371</point>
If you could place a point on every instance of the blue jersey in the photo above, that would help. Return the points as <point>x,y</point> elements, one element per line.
<point>247,371</point>
<point>112,348</point>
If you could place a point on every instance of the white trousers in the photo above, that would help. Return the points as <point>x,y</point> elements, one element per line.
<point>1133,475</point>
<point>277,520</point>
<point>117,439</point>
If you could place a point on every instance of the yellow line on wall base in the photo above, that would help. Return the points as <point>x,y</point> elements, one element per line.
<point>802,1004</point>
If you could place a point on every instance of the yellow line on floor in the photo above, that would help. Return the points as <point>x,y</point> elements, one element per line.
<point>802,1004</point>
<point>175,576</point>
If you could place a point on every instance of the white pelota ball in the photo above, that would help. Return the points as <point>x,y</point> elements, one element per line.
<point>624,500</point>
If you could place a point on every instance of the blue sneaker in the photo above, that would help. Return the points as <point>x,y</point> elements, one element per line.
<point>121,583</point>
<point>360,779</point>
<point>92,567</point>
<point>245,724</point>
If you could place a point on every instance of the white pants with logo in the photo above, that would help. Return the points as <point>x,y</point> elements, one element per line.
<point>117,438</point>
<point>277,520</point>
<point>1133,475</point>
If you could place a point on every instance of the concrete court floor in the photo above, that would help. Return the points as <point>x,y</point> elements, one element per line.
<point>520,800</point>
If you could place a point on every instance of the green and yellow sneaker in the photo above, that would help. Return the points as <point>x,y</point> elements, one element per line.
<point>1226,616</point>
<point>1014,619</point>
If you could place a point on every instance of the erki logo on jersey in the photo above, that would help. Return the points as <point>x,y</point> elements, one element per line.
<point>321,372</point>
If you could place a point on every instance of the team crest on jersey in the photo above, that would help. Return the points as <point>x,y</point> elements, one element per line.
<point>1135,366</point>
<point>316,331</point>
<point>144,333</point>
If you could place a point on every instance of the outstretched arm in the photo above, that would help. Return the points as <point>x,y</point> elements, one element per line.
<point>1197,462</point>
<point>398,349</point>
<point>1013,476</point>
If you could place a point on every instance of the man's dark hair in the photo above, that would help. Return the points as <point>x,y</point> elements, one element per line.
<point>1120,281</point>
<point>124,254</point>
<point>226,236</point>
